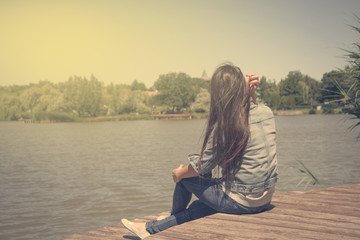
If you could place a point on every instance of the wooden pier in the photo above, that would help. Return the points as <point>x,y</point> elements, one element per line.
<point>331,213</point>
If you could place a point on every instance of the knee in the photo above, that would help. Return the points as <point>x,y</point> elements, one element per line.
<point>179,184</point>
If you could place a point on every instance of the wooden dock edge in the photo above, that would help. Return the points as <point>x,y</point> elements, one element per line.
<point>330,213</point>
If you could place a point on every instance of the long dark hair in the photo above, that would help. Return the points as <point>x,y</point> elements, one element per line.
<point>228,122</point>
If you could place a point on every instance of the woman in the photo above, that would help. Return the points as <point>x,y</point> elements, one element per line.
<point>239,143</point>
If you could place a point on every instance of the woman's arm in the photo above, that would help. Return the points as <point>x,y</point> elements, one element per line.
<point>183,172</point>
<point>254,83</point>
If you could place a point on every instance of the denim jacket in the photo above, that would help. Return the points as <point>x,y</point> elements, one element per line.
<point>258,170</point>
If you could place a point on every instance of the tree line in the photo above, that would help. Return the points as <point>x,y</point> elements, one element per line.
<point>81,97</point>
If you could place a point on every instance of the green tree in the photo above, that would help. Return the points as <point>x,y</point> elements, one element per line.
<point>29,98</point>
<point>202,101</point>
<point>291,90</point>
<point>138,86</point>
<point>118,98</point>
<point>10,106</point>
<point>48,96</point>
<point>135,102</point>
<point>270,93</point>
<point>298,89</point>
<point>313,90</point>
<point>123,100</point>
<point>263,87</point>
<point>177,90</point>
<point>81,96</point>
<point>288,102</point>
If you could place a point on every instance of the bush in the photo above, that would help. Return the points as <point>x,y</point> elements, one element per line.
<point>61,116</point>
<point>26,115</point>
<point>40,116</point>
<point>312,111</point>
<point>200,110</point>
<point>54,116</point>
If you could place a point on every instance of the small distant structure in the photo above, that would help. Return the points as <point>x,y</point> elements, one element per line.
<point>205,76</point>
<point>152,93</point>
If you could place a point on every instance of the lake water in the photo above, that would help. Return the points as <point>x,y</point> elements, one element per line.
<point>66,178</point>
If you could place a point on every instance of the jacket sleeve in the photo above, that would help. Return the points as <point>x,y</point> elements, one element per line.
<point>207,161</point>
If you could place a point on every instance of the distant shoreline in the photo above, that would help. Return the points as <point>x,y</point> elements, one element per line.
<point>291,112</point>
<point>133,117</point>
<point>297,112</point>
<point>123,117</point>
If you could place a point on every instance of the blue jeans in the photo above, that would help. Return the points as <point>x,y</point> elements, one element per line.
<point>212,199</point>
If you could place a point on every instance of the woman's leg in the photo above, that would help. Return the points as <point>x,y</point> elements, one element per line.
<point>212,199</point>
<point>196,210</point>
<point>211,193</point>
<point>181,198</point>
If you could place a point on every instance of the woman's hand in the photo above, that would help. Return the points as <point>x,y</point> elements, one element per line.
<point>177,173</point>
<point>254,84</point>
<point>183,172</point>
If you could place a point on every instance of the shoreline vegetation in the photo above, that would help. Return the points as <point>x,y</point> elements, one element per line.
<point>65,117</point>
<point>173,96</point>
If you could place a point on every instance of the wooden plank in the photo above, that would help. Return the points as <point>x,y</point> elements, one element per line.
<point>340,202</point>
<point>329,218</point>
<point>332,213</point>
<point>220,229</point>
<point>324,199</point>
<point>318,207</point>
<point>295,223</point>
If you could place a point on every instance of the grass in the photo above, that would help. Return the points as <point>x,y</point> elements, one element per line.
<point>307,177</point>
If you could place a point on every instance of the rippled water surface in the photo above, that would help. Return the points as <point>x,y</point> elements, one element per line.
<point>66,178</point>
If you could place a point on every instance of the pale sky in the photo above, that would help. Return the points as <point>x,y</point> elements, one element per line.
<point>122,40</point>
